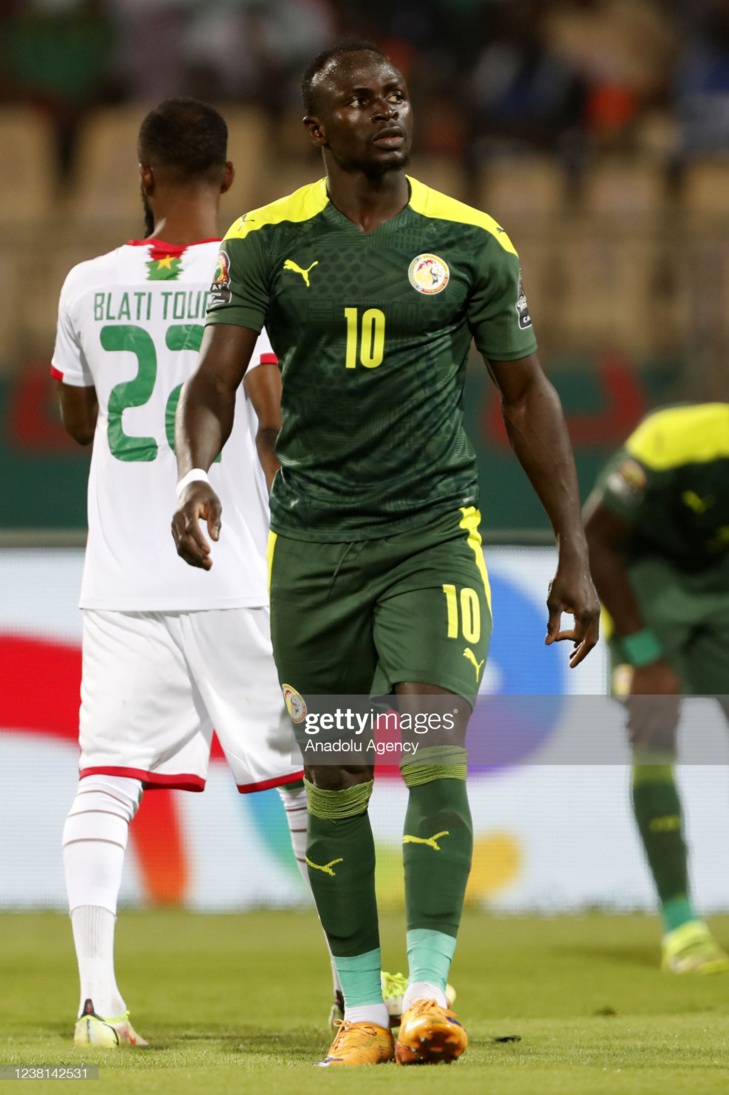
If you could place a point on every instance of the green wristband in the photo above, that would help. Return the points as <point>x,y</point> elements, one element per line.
<point>641,648</point>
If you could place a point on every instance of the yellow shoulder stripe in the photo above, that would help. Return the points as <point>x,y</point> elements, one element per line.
<point>682,435</point>
<point>431,203</point>
<point>302,205</point>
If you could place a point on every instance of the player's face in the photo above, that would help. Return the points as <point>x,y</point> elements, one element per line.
<point>363,114</point>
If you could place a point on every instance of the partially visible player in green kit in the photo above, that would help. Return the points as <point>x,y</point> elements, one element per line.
<point>371,286</point>
<point>658,531</point>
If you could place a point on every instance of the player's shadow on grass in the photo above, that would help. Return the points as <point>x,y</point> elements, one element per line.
<point>647,957</point>
<point>297,1043</point>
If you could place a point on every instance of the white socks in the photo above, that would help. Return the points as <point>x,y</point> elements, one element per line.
<point>423,990</point>
<point>93,936</point>
<point>369,1013</point>
<point>294,803</point>
<point>94,842</point>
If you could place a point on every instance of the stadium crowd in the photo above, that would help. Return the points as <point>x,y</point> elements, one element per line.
<point>488,76</point>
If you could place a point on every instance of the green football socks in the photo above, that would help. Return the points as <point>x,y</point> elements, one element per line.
<point>340,856</point>
<point>657,809</point>
<point>437,851</point>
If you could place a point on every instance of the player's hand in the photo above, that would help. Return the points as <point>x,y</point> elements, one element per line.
<point>571,590</point>
<point>198,502</point>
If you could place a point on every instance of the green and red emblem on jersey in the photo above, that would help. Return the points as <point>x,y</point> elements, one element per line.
<point>629,479</point>
<point>165,262</point>
<point>429,274</point>
<point>220,289</point>
<point>634,474</point>
<point>295,703</point>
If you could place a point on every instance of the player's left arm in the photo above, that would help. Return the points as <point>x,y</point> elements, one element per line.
<point>263,387</point>
<point>538,435</point>
<point>79,411</point>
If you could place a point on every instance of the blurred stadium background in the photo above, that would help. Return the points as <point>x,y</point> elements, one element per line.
<point>597,133</point>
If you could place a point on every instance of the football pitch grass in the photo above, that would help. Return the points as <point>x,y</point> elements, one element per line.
<point>238,1003</point>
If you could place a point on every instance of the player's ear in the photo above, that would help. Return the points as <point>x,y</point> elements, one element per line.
<point>147,176</point>
<point>316,130</point>
<point>228,177</point>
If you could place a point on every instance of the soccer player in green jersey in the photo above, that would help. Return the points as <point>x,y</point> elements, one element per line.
<point>658,532</point>
<point>371,286</point>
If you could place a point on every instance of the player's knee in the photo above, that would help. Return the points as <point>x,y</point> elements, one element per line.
<point>113,798</point>
<point>435,763</point>
<point>653,723</point>
<point>331,777</point>
<point>334,804</point>
<point>102,810</point>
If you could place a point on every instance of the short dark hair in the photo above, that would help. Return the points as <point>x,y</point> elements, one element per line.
<point>315,66</point>
<point>186,135</point>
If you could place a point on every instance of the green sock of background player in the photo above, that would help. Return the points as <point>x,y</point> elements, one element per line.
<point>437,852</point>
<point>657,809</point>
<point>341,858</point>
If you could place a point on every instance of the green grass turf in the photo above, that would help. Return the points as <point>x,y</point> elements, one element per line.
<point>238,1004</point>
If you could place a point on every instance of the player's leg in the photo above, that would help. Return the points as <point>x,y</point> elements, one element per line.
<point>137,707</point>
<point>293,798</point>
<point>669,610</point>
<point>432,635</point>
<point>94,843</point>
<point>692,948</point>
<point>393,986</point>
<point>437,853</point>
<point>230,656</point>
<point>322,638</point>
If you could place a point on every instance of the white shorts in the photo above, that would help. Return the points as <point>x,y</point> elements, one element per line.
<point>155,684</point>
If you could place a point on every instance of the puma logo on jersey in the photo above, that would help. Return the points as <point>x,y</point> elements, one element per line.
<point>468,653</point>
<point>291,265</point>
<point>327,868</point>
<point>431,841</point>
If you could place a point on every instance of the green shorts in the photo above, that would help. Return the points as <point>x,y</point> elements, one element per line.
<point>690,615</point>
<point>358,618</point>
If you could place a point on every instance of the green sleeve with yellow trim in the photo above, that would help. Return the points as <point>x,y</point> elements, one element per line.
<point>239,293</point>
<point>498,314</point>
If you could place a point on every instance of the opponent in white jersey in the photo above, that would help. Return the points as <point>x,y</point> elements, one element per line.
<point>168,652</point>
<point>130,325</point>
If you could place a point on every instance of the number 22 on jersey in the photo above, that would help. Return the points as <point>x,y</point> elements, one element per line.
<point>138,391</point>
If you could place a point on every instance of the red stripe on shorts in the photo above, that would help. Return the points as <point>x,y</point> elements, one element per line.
<point>265,784</point>
<point>153,781</point>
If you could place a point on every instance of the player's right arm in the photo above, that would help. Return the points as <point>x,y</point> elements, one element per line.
<point>611,518</point>
<point>202,426</point>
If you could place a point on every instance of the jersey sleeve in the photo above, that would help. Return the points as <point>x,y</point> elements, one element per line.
<point>498,314</point>
<point>623,485</point>
<point>239,293</point>
<point>263,353</point>
<point>68,363</point>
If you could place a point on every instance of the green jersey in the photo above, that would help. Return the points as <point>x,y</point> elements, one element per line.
<point>372,332</point>
<point>671,480</point>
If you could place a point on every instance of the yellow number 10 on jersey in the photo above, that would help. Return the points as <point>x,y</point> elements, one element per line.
<point>365,339</point>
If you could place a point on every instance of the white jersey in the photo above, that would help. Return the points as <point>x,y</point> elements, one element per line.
<point>130,324</point>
